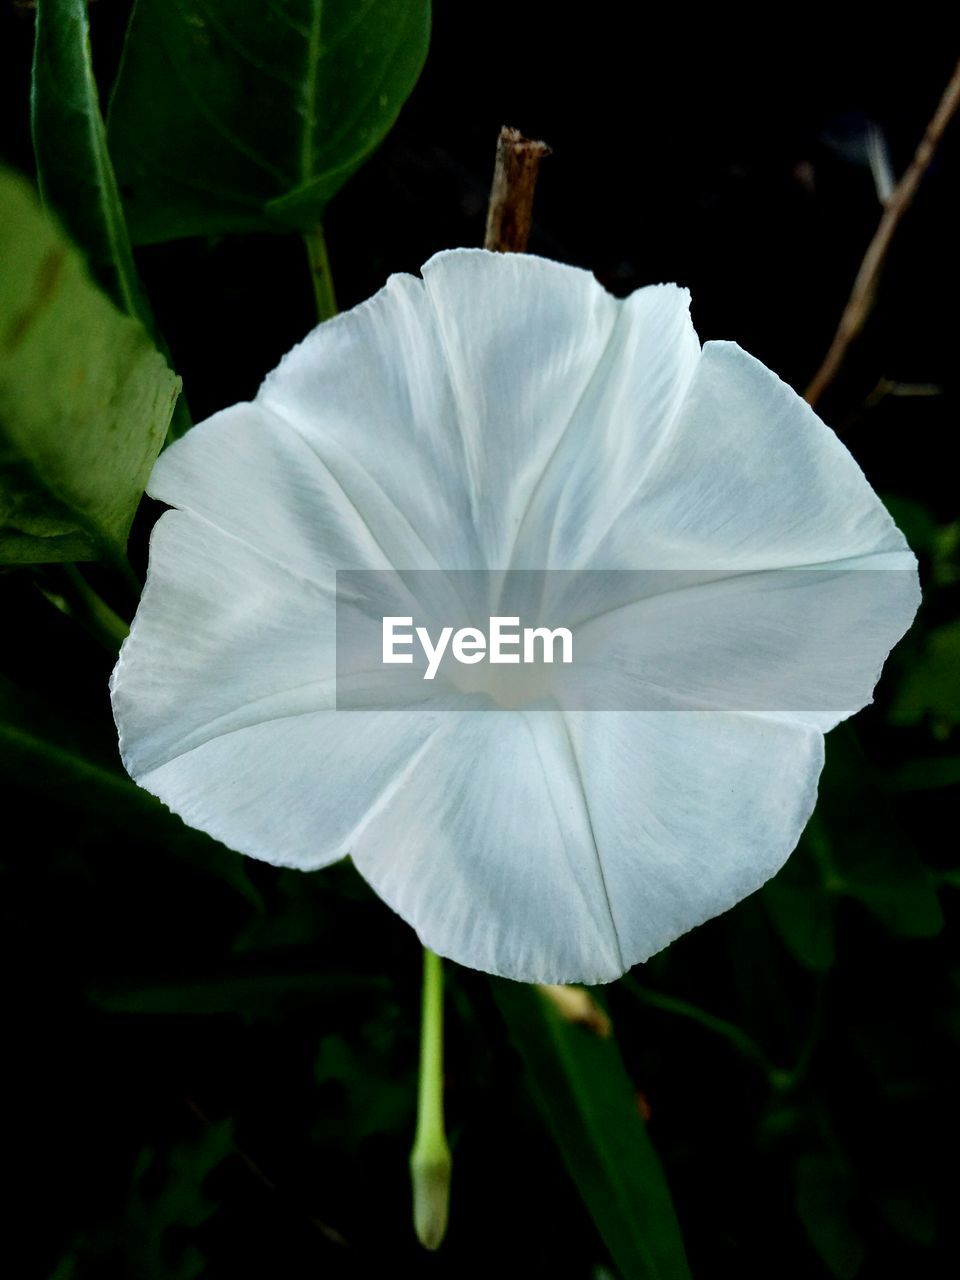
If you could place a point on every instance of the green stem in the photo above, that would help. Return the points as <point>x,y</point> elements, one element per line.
<point>320,274</point>
<point>73,595</point>
<point>710,1022</point>
<point>430,1162</point>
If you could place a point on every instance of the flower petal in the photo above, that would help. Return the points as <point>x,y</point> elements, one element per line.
<point>486,851</point>
<point>691,811</point>
<point>548,849</point>
<point>450,423</point>
<point>446,399</point>
<point>247,472</point>
<point>223,698</point>
<point>746,477</point>
<point>805,643</point>
<point>629,405</point>
<point>524,339</point>
<point>369,394</point>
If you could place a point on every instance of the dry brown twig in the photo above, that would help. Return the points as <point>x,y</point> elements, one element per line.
<point>860,303</point>
<point>510,209</point>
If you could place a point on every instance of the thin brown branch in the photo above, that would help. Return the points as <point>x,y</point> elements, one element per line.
<point>511,196</point>
<point>860,303</point>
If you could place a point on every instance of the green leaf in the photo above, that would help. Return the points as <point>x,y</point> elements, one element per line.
<point>867,855</point>
<point>587,1100</point>
<point>926,774</point>
<point>853,847</point>
<point>822,1200</point>
<point>85,398</point>
<point>368,1080</point>
<point>74,172</point>
<point>800,906</point>
<point>65,1269</point>
<point>915,522</point>
<point>932,686</point>
<point>161,1219</point>
<point>236,115</point>
<point>911,1211</point>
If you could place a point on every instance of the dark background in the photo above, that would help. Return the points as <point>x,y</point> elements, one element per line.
<point>214,1061</point>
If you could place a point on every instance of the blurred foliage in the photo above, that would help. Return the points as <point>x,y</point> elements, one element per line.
<point>930,691</point>
<point>213,1062</point>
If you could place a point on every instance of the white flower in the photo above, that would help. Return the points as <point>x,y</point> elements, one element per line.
<point>506,412</point>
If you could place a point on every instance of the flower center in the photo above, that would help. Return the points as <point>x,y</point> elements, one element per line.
<point>508,686</point>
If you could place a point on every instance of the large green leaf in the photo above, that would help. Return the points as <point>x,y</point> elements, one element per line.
<point>74,172</point>
<point>248,115</point>
<point>588,1103</point>
<point>85,397</point>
